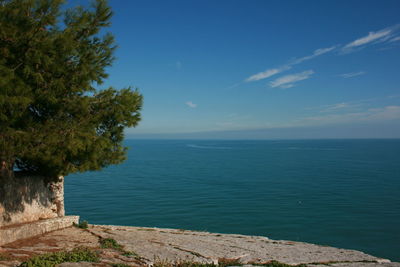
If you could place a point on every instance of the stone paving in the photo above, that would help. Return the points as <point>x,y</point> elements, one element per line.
<point>156,244</point>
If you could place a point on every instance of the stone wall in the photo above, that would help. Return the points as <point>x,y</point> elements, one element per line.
<point>26,198</point>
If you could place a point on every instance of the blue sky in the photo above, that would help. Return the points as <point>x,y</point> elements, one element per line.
<point>260,69</point>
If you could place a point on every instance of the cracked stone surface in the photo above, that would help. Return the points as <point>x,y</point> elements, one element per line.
<point>172,244</point>
<point>153,244</point>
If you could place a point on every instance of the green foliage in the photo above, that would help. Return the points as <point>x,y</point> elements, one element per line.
<point>110,243</point>
<point>82,225</point>
<point>222,262</point>
<point>52,259</point>
<point>53,119</point>
<point>131,254</point>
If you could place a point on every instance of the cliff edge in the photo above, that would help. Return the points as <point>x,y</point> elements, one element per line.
<point>141,246</point>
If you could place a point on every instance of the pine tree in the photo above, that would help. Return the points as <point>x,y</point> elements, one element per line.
<point>53,120</point>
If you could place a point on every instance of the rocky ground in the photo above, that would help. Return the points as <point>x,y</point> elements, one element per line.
<point>141,246</point>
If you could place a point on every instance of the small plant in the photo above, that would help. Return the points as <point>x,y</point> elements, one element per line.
<point>130,254</point>
<point>82,225</point>
<point>52,259</point>
<point>110,243</point>
<point>223,262</point>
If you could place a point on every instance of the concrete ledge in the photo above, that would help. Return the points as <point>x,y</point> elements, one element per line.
<point>13,233</point>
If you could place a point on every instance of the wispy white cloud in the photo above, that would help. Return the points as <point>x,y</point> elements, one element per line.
<point>386,35</point>
<point>267,73</point>
<point>191,104</point>
<point>385,113</point>
<point>383,35</point>
<point>344,116</point>
<point>395,39</point>
<point>289,80</point>
<point>352,74</point>
<point>316,53</point>
<point>339,107</point>
<point>271,72</point>
<point>371,37</point>
<point>286,86</point>
<point>350,104</point>
<point>369,115</point>
<point>394,96</point>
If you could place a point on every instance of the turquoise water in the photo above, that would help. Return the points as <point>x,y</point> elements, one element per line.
<point>343,193</point>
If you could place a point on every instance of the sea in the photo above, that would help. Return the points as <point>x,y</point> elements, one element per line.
<point>341,193</point>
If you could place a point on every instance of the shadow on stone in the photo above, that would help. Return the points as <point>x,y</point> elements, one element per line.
<point>25,197</point>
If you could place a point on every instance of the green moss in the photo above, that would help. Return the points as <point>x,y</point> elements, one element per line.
<point>131,254</point>
<point>52,259</point>
<point>82,225</point>
<point>223,262</point>
<point>110,243</point>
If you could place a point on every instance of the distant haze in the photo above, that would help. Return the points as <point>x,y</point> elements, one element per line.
<point>351,131</point>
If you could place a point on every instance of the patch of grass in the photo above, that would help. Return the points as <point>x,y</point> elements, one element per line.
<point>223,262</point>
<point>82,225</point>
<point>110,243</point>
<point>52,259</point>
<point>131,254</point>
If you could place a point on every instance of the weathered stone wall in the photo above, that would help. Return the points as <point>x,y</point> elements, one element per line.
<point>25,198</point>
